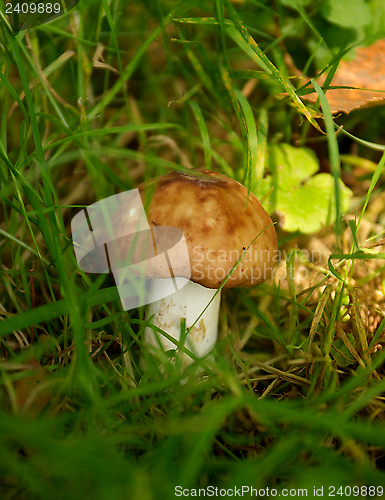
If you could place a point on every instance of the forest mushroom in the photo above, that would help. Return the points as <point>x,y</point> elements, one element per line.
<point>221,220</point>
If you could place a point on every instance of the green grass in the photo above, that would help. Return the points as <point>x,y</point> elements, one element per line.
<point>91,105</point>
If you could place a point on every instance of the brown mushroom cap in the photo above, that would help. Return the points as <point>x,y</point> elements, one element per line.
<point>220,218</point>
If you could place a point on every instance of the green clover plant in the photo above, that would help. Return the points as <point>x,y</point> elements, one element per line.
<point>304,201</point>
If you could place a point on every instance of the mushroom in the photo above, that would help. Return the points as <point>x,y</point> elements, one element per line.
<point>228,235</point>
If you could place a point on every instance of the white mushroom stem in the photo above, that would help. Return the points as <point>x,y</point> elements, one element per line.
<point>188,302</point>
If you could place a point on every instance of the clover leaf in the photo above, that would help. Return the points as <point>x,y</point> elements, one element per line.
<point>305,201</point>
<point>341,353</point>
<point>347,13</point>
